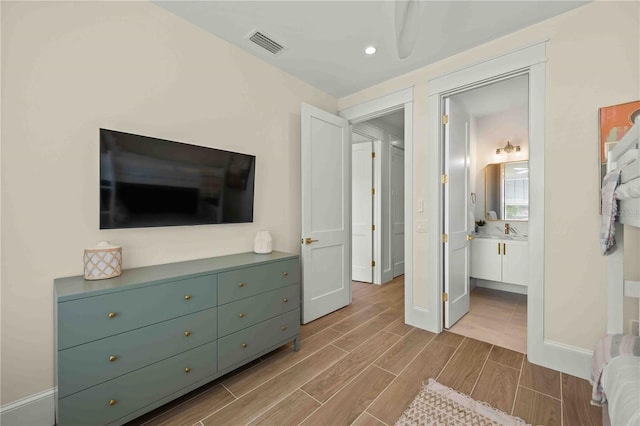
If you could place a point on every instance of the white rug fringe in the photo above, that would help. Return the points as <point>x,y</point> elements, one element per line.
<point>437,404</point>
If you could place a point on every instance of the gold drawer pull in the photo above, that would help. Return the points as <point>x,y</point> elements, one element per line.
<point>112,315</point>
<point>283,328</point>
<point>285,274</point>
<point>240,284</point>
<point>112,358</point>
<point>187,333</point>
<point>285,300</point>
<point>112,402</point>
<point>187,369</point>
<point>187,297</point>
<point>244,345</point>
<point>241,315</point>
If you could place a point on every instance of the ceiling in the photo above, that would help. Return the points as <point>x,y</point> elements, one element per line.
<point>324,40</point>
<point>497,97</point>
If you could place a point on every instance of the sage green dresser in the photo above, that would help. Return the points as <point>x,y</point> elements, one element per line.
<point>129,344</point>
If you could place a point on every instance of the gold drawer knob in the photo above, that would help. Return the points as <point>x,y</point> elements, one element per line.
<point>285,300</point>
<point>112,402</point>
<point>241,315</point>
<point>112,315</point>
<point>187,297</point>
<point>112,358</point>
<point>187,369</point>
<point>283,328</point>
<point>285,273</point>
<point>187,333</point>
<point>244,345</point>
<point>240,284</point>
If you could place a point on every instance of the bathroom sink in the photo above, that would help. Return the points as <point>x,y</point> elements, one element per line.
<point>492,236</point>
<point>502,237</point>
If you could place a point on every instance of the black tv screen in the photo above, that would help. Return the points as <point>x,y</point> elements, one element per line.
<point>146,181</point>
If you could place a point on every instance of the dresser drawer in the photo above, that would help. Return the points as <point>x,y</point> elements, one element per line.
<point>132,391</point>
<point>236,347</point>
<point>87,365</point>
<point>244,313</point>
<point>93,318</point>
<point>241,283</point>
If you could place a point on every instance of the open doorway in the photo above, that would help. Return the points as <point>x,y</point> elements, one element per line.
<point>326,203</point>
<point>377,205</point>
<point>487,200</point>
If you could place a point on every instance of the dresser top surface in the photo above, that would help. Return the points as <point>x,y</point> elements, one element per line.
<point>71,288</point>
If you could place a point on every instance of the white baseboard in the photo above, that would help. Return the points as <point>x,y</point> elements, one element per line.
<point>495,285</point>
<point>565,358</point>
<point>35,410</point>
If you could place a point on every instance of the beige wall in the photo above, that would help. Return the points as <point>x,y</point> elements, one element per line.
<point>71,68</point>
<point>593,61</point>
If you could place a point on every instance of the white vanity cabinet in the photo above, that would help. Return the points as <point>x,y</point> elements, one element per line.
<point>515,262</point>
<point>500,260</point>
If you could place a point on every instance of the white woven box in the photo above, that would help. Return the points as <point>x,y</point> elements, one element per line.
<point>103,261</point>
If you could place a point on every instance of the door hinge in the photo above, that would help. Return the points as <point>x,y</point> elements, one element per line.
<point>445,178</point>
<point>373,191</point>
<point>445,119</point>
<point>373,263</point>
<point>373,227</point>
<point>445,297</point>
<point>445,238</point>
<point>373,155</point>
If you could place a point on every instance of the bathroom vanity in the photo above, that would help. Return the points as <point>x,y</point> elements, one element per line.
<point>499,258</point>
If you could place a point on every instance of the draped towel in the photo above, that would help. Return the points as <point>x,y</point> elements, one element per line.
<point>609,211</point>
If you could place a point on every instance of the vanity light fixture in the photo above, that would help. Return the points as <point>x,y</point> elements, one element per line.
<point>508,148</point>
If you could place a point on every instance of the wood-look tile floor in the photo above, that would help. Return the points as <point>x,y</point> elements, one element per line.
<point>496,317</point>
<point>362,365</point>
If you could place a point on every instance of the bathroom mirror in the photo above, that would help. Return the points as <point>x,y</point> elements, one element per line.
<point>506,191</point>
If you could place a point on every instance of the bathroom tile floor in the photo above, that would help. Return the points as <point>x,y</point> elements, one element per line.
<point>496,317</point>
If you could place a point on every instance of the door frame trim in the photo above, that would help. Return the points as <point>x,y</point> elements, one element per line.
<point>531,60</point>
<point>375,108</point>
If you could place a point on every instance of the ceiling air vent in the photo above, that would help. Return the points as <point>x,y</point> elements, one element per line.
<point>266,43</point>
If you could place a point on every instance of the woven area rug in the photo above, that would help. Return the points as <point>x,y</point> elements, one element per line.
<point>437,404</point>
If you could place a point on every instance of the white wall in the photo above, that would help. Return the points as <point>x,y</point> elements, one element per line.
<point>593,61</point>
<point>72,67</point>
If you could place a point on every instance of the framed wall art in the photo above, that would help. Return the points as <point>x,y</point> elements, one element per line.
<point>614,122</point>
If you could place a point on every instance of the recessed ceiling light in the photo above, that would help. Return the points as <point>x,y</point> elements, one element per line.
<point>370,50</point>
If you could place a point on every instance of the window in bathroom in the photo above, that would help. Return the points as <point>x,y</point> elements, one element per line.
<point>516,191</point>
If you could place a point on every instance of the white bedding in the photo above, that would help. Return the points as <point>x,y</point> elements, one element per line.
<point>629,190</point>
<point>621,383</point>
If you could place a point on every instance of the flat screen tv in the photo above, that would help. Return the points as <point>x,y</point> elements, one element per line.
<point>146,181</point>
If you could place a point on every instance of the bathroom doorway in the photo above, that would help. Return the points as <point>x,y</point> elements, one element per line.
<point>486,202</point>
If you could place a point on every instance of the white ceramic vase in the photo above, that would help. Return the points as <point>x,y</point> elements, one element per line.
<point>262,243</point>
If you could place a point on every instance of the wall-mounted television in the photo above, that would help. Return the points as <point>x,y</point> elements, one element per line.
<point>146,181</point>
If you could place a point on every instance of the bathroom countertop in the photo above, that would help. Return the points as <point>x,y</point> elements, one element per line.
<point>502,237</point>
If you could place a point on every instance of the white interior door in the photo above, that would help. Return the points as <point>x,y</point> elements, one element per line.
<point>456,223</point>
<point>326,212</point>
<point>397,210</point>
<point>362,212</point>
